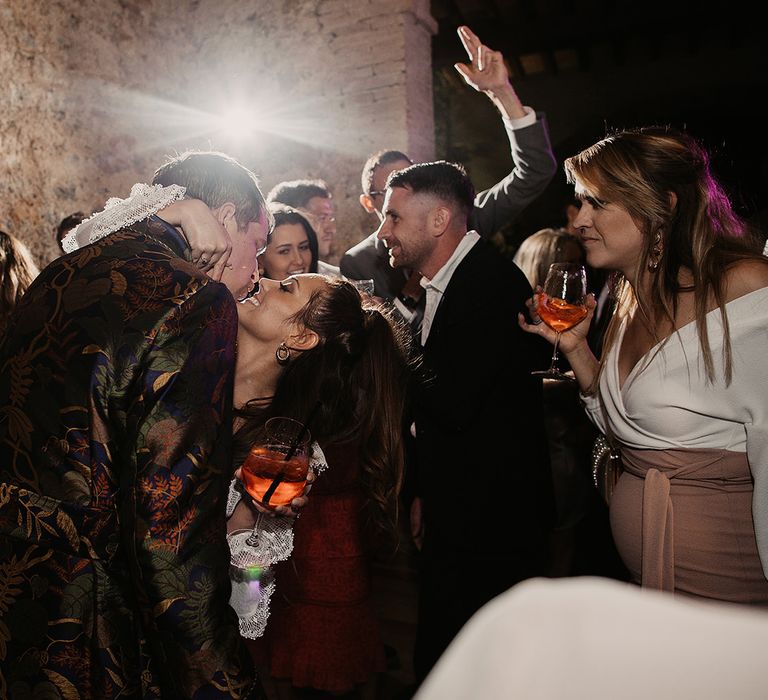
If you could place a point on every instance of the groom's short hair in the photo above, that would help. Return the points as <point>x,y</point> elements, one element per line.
<point>446,181</point>
<point>215,178</point>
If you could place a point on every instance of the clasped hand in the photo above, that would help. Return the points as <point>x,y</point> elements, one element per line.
<point>208,240</point>
<point>247,511</point>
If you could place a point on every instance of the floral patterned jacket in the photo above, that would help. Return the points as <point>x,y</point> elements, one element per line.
<point>115,425</point>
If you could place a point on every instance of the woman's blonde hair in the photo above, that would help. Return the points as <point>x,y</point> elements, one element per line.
<point>17,270</point>
<point>697,229</point>
<point>537,252</point>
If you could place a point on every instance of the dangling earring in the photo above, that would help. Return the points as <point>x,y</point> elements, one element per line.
<point>283,354</point>
<point>654,259</point>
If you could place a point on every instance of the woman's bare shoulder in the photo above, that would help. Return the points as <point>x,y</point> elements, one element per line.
<point>746,276</point>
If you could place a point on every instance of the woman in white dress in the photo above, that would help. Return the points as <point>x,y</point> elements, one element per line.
<point>681,380</point>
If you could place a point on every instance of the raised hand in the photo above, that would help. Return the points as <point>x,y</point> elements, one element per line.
<point>488,73</point>
<point>412,287</point>
<point>486,70</point>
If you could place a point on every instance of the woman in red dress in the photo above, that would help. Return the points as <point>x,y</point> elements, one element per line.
<point>308,346</point>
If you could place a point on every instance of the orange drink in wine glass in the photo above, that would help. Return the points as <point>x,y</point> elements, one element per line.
<point>275,470</point>
<point>561,304</point>
<point>558,314</point>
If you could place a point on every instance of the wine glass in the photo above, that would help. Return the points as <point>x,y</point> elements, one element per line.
<point>364,286</point>
<point>561,305</point>
<point>275,470</point>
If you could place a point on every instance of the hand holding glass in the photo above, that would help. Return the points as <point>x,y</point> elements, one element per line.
<point>275,470</point>
<point>561,304</point>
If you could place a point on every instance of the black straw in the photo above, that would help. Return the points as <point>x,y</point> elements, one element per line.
<point>292,451</point>
<point>302,432</point>
<point>272,488</point>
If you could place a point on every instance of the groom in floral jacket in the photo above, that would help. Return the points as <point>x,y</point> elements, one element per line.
<point>115,426</point>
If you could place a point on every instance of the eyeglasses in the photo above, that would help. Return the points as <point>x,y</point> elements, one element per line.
<point>315,219</point>
<point>377,193</point>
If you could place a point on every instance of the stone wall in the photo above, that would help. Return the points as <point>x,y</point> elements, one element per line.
<point>95,93</point>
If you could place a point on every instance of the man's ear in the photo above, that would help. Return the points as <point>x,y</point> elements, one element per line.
<point>366,202</point>
<point>440,219</point>
<point>225,215</point>
<point>303,339</point>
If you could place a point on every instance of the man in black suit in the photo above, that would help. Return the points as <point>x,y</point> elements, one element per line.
<point>534,166</point>
<point>483,469</point>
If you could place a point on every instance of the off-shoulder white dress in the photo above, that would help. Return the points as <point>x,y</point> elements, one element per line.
<point>690,513</point>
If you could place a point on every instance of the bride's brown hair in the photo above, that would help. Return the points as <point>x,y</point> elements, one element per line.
<point>353,384</point>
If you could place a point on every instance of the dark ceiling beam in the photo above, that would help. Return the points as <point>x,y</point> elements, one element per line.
<point>597,30</point>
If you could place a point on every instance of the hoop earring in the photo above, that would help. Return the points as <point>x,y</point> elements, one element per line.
<point>283,354</point>
<point>654,259</point>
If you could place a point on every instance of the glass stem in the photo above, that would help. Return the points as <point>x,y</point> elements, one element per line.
<point>553,365</point>
<point>253,538</point>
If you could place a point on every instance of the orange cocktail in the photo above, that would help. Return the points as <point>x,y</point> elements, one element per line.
<point>558,314</point>
<point>270,479</point>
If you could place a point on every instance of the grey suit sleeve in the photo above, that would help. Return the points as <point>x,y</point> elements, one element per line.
<point>534,167</point>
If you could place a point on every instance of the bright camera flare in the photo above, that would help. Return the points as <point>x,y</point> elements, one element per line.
<point>304,120</point>
<point>237,123</point>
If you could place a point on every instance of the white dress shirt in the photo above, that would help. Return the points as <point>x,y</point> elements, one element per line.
<point>435,287</point>
<point>520,122</point>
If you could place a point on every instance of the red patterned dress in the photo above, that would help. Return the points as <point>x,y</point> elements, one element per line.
<point>323,631</point>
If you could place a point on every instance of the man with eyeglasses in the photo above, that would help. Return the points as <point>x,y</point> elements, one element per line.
<point>313,199</point>
<point>534,167</point>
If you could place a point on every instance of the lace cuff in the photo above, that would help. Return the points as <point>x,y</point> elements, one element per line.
<point>236,490</point>
<point>317,461</point>
<point>251,572</point>
<point>143,201</point>
<point>251,559</point>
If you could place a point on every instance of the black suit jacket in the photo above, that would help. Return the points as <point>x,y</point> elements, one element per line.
<point>483,465</point>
